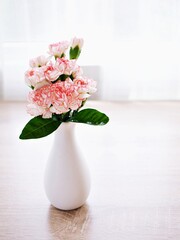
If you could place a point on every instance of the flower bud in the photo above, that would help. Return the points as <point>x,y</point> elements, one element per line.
<point>76,47</point>
<point>77,42</point>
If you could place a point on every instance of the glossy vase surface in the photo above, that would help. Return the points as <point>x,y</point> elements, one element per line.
<point>67,178</point>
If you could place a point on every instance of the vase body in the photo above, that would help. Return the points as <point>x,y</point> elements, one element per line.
<point>67,178</point>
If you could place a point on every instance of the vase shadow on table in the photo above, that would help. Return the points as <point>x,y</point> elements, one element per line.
<point>73,224</point>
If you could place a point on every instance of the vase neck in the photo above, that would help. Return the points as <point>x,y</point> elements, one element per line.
<point>65,130</point>
<point>67,126</point>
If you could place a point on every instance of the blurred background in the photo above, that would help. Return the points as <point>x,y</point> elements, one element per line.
<point>132,47</point>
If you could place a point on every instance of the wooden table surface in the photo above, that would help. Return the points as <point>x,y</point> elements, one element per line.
<point>135,169</point>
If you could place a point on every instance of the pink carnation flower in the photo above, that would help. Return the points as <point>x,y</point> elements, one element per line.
<point>85,86</point>
<point>38,62</point>
<point>34,76</point>
<point>67,65</point>
<point>36,110</point>
<point>58,49</point>
<point>58,98</point>
<point>52,72</point>
<point>77,72</point>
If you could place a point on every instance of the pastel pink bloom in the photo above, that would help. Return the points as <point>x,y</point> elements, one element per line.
<point>58,49</point>
<point>77,72</point>
<point>38,62</point>
<point>77,42</point>
<point>85,86</point>
<point>60,65</point>
<point>52,72</point>
<point>69,66</point>
<point>34,76</point>
<point>91,85</point>
<point>41,84</point>
<point>59,97</point>
<point>35,110</point>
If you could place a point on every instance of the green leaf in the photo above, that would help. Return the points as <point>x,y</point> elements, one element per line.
<point>90,116</point>
<point>39,127</point>
<point>74,52</point>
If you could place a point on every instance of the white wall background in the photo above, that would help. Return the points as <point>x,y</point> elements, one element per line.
<point>135,43</point>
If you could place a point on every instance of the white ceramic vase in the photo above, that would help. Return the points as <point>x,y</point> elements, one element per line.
<point>67,178</point>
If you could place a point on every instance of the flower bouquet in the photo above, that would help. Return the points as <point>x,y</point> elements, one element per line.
<point>58,91</point>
